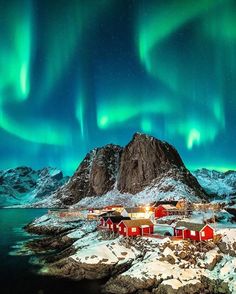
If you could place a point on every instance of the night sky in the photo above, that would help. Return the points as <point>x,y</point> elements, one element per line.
<point>75,75</point>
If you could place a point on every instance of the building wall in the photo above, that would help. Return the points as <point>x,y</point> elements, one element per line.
<point>187,234</point>
<point>121,232</point>
<point>178,233</point>
<point>102,222</point>
<point>148,230</point>
<point>209,233</point>
<point>160,211</point>
<point>124,213</point>
<point>136,233</point>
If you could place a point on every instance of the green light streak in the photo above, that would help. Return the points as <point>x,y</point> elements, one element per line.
<point>123,109</point>
<point>221,26</point>
<point>187,75</point>
<point>103,121</point>
<point>24,80</point>
<point>80,114</point>
<point>163,20</point>
<point>16,49</point>
<point>193,138</point>
<point>67,32</point>
<point>36,131</point>
<point>196,131</point>
<point>146,125</point>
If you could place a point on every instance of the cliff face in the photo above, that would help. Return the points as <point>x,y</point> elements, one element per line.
<point>96,175</point>
<point>144,159</point>
<point>144,162</point>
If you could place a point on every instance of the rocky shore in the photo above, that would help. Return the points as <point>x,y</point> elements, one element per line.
<point>141,265</point>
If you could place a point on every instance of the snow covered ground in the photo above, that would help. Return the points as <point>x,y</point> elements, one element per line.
<point>174,263</point>
<point>107,252</point>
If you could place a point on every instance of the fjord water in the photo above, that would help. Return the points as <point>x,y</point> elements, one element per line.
<point>17,275</point>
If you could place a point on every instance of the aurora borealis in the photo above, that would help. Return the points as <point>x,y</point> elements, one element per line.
<point>75,75</point>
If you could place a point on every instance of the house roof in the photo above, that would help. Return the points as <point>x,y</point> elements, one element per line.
<point>190,226</point>
<point>157,203</point>
<point>118,219</point>
<point>168,206</point>
<point>135,209</point>
<point>105,218</point>
<point>137,223</point>
<point>114,206</point>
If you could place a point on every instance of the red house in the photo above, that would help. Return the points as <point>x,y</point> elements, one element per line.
<point>113,221</point>
<point>165,210</point>
<point>193,231</point>
<point>103,220</point>
<point>139,227</point>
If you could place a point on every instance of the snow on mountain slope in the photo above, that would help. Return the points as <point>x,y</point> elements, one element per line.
<point>217,183</point>
<point>23,185</point>
<point>155,192</point>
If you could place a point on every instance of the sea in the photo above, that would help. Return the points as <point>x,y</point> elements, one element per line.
<point>17,273</point>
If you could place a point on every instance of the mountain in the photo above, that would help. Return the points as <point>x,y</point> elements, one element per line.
<point>217,184</point>
<point>145,169</point>
<point>96,175</point>
<point>23,185</point>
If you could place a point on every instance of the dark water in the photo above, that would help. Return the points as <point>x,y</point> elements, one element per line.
<point>16,273</point>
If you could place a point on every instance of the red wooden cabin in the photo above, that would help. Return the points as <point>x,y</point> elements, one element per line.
<point>193,231</point>
<point>103,220</point>
<point>139,227</point>
<point>165,210</point>
<point>113,221</point>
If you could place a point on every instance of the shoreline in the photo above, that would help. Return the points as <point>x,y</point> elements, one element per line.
<point>89,256</point>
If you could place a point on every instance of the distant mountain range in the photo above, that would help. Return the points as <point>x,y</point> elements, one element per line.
<point>23,185</point>
<point>217,184</point>
<point>145,170</point>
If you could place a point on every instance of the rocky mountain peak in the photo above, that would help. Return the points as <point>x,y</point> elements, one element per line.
<point>145,161</point>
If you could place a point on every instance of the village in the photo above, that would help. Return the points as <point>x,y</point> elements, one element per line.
<point>171,245</point>
<point>156,220</point>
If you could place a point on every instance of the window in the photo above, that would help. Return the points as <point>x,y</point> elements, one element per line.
<point>203,234</point>
<point>111,226</point>
<point>133,230</point>
<point>192,233</point>
<point>124,230</point>
<point>107,225</point>
<point>119,229</point>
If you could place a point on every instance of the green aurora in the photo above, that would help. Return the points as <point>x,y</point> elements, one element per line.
<point>80,74</point>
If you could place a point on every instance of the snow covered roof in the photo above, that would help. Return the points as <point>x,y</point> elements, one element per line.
<point>135,209</point>
<point>157,203</point>
<point>137,223</point>
<point>190,226</point>
<point>180,228</point>
<point>169,207</point>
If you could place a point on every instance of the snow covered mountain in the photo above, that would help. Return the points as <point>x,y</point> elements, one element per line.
<point>23,185</point>
<point>145,170</point>
<point>217,184</point>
